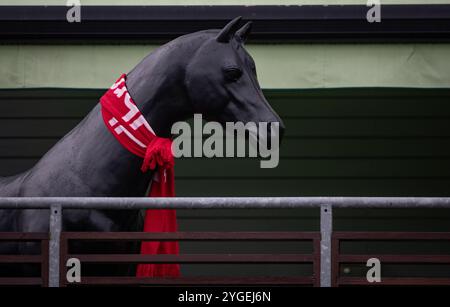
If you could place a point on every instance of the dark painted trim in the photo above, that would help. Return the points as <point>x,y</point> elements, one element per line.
<point>362,92</point>
<point>285,24</point>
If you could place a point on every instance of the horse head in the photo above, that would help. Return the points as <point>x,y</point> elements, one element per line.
<point>207,72</point>
<point>222,82</point>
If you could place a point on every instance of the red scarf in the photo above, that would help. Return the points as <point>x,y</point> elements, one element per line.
<point>130,128</point>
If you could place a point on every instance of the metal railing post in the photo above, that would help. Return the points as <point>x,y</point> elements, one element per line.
<point>326,228</point>
<point>54,245</point>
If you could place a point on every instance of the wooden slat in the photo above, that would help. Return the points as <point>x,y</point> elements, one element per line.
<point>395,258</point>
<point>48,128</point>
<point>197,281</point>
<point>350,106</point>
<point>326,102</point>
<point>365,127</point>
<point>301,148</point>
<point>392,281</point>
<point>391,235</point>
<point>47,93</point>
<point>228,236</point>
<point>241,169</point>
<point>23,236</point>
<point>295,104</point>
<point>310,168</point>
<point>355,148</point>
<point>55,127</point>
<point>291,186</point>
<point>20,258</point>
<point>20,281</point>
<point>10,167</point>
<point>194,258</point>
<point>46,107</point>
<point>25,148</point>
<point>312,186</point>
<point>364,148</point>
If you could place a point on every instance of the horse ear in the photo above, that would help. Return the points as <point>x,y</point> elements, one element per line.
<point>228,31</point>
<point>242,33</point>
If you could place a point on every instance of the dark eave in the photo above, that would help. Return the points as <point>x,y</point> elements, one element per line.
<point>272,24</point>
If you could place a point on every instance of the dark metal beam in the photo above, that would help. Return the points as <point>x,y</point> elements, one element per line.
<point>282,24</point>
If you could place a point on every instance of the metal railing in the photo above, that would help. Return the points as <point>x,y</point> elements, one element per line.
<point>339,258</point>
<point>312,238</point>
<point>326,205</point>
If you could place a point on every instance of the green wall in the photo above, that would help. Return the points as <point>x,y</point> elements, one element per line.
<point>353,142</point>
<point>360,142</point>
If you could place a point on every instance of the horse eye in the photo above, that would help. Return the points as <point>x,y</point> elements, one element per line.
<point>233,74</point>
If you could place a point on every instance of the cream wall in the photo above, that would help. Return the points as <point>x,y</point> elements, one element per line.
<point>279,66</point>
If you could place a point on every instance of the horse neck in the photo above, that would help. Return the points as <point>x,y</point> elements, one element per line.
<point>156,85</point>
<point>89,161</point>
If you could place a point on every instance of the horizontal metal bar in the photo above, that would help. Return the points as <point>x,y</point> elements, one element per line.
<point>391,281</point>
<point>388,236</point>
<point>197,281</point>
<point>395,258</point>
<point>231,236</point>
<point>20,259</point>
<point>194,258</point>
<point>23,236</point>
<point>221,202</point>
<point>20,281</point>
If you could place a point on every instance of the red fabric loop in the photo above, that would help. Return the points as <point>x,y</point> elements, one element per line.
<point>159,152</point>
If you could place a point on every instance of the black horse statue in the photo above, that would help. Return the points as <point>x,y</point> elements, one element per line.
<point>207,72</point>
